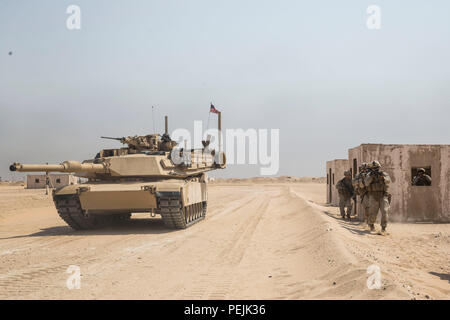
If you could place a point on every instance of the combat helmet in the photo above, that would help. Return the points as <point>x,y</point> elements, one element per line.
<point>374,165</point>
<point>420,170</point>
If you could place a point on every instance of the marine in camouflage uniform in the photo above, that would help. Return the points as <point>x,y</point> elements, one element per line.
<point>422,179</point>
<point>346,193</point>
<point>361,190</point>
<point>377,183</point>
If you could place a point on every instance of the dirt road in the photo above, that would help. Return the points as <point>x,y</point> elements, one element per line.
<point>274,241</point>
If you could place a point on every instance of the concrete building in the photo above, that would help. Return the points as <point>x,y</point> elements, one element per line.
<point>335,172</point>
<point>409,203</point>
<point>37,181</point>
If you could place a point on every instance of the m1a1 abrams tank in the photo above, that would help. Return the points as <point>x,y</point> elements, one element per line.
<point>150,174</point>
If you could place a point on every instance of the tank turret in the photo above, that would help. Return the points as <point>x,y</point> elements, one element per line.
<point>151,142</point>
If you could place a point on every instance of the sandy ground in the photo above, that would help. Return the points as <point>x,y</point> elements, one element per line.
<point>260,241</point>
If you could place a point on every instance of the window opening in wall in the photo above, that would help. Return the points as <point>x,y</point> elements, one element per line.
<point>329,187</point>
<point>421,176</point>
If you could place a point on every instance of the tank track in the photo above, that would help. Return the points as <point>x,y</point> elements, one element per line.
<point>174,215</point>
<point>69,209</point>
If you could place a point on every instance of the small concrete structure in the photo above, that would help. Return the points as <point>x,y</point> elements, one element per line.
<point>37,181</point>
<point>335,172</point>
<point>409,203</point>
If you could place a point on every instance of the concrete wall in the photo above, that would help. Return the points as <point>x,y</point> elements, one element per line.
<point>411,203</point>
<point>335,172</point>
<point>37,181</point>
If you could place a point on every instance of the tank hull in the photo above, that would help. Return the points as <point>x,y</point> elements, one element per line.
<point>180,203</point>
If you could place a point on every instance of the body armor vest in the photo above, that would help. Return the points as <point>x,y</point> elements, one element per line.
<point>377,184</point>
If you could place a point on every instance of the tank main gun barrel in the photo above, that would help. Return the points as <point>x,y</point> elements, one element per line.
<point>66,166</point>
<point>111,138</point>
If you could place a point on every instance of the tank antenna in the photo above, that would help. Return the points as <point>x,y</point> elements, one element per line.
<point>153,117</point>
<point>219,129</point>
<point>209,115</point>
<point>166,125</point>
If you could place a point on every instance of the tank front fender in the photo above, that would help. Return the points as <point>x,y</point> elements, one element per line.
<point>72,189</point>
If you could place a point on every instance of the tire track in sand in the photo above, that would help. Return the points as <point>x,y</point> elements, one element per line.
<point>214,283</point>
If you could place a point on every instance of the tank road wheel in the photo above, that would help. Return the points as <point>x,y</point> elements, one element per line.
<point>174,215</point>
<point>204,206</point>
<point>197,210</point>
<point>193,213</point>
<point>187,215</point>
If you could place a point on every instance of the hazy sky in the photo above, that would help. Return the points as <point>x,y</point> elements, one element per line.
<point>309,68</point>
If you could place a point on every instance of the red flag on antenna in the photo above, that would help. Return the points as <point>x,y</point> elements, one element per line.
<point>213,109</point>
